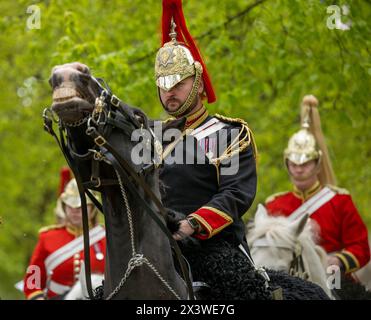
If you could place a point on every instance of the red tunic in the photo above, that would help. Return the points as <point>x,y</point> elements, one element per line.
<point>342,230</point>
<point>67,272</point>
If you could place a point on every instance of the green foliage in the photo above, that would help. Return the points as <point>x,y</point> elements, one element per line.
<point>262,60</point>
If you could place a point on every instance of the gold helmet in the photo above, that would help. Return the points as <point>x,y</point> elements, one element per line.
<point>308,143</point>
<point>71,197</point>
<point>176,61</point>
<point>302,147</point>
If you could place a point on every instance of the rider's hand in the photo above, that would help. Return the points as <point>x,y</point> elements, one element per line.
<point>333,260</point>
<point>185,230</point>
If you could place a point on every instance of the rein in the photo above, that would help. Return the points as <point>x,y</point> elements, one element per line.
<point>48,126</point>
<point>297,267</point>
<point>105,107</point>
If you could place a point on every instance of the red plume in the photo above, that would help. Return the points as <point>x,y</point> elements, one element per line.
<point>173,9</point>
<point>65,177</point>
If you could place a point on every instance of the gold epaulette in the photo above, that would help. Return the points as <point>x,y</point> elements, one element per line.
<point>230,120</point>
<point>51,227</point>
<point>338,190</point>
<point>241,142</point>
<point>274,196</point>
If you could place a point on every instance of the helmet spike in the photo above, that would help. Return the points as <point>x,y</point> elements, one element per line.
<point>173,33</point>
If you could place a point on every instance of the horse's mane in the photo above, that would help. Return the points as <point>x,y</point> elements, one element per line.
<point>276,229</point>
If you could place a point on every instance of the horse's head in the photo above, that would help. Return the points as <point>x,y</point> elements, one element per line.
<point>278,243</point>
<point>74,91</point>
<point>273,240</point>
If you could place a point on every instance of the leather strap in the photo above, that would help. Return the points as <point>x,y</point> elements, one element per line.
<point>48,126</point>
<point>126,171</point>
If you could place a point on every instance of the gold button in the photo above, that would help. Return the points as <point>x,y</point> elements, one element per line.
<point>77,269</point>
<point>99,256</point>
<point>76,262</point>
<point>77,256</point>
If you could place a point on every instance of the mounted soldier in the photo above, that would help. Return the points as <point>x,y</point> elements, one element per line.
<point>56,262</point>
<point>209,170</point>
<point>343,234</point>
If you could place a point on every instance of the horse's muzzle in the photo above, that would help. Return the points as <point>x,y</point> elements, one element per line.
<point>72,109</point>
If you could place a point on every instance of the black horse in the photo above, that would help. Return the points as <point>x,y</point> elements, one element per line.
<point>139,256</point>
<point>140,263</point>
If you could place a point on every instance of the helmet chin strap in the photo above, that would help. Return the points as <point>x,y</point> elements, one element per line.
<point>184,109</point>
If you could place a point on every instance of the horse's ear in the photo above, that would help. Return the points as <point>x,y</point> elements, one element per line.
<point>298,225</point>
<point>261,214</point>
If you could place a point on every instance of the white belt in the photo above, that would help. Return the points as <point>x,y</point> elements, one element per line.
<point>74,246</point>
<point>313,204</point>
<point>58,288</point>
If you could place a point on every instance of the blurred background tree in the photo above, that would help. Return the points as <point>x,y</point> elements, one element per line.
<point>263,57</point>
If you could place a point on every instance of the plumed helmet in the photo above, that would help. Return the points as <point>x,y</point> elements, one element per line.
<point>309,143</point>
<point>174,63</point>
<point>71,196</point>
<point>302,146</point>
<point>179,58</point>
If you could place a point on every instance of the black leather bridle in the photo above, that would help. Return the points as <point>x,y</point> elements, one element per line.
<point>297,267</point>
<point>109,114</point>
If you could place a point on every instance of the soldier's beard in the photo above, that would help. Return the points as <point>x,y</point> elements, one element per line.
<point>174,102</point>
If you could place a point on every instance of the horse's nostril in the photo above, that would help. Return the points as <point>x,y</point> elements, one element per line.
<point>55,80</point>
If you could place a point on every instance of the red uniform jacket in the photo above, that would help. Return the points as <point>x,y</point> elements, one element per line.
<point>65,274</point>
<point>342,230</point>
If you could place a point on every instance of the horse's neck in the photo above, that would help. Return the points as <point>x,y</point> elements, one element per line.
<point>314,258</point>
<point>148,233</point>
<point>145,238</point>
<point>313,254</point>
<point>125,239</point>
<point>127,212</point>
